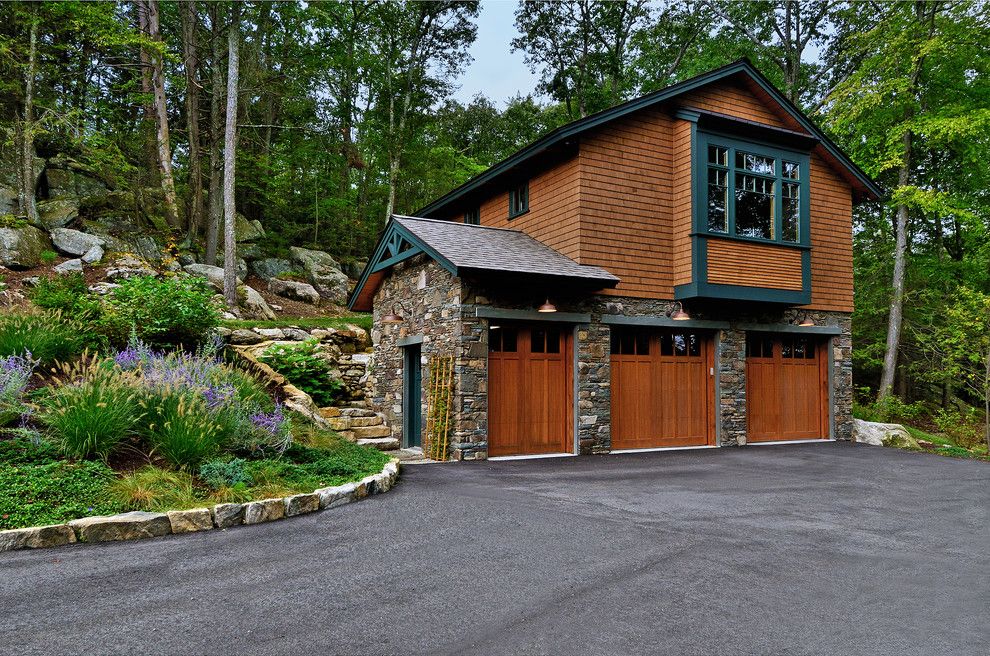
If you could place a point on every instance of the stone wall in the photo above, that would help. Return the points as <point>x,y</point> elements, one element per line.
<point>427,297</point>
<point>442,309</point>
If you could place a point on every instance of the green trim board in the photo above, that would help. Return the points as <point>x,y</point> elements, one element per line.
<point>396,244</point>
<point>409,340</point>
<point>701,289</point>
<point>567,132</point>
<point>509,314</point>
<point>662,322</point>
<point>787,328</point>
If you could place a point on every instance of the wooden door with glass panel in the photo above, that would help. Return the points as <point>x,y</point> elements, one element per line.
<point>786,387</point>
<point>529,389</point>
<point>662,388</point>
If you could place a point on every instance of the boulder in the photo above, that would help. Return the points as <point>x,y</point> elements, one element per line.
<point>270,333</point>
<point>270,267</point>
<point>249,251</point>
<point>297,291</point>
<point>380,443</point>
<point>58,213</point>
<point>8,200</point>
<point>245,337</point>
<point>189,521</point>
<point>254,304</point>
<point>93,255</point>
<point>74,242</point>
<point>127,526</point>
<point>21,247</point>
<point>353,268</point>
<point>877,434</point>
<point>266,510</point>
<point>70,266</point>
<point>226,515</point>
<point>212,273</point>
<point>64,183</point>
<point>36,537</point>
<point>128,266</point>
<point>245,230</point>
<point>295,334</point>
<point>147,247</point>
<point>323,272</point>
<point>300,504</point>
<point>102,288</point>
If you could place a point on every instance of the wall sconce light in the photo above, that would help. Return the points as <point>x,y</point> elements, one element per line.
<point>547,307</point>
<point>392,317</point>
<point>804,321</point>
<point>677,313</point>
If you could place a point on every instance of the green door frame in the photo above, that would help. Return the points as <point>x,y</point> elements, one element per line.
<point>412,396</point>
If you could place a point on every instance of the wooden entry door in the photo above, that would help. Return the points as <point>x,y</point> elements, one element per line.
<point>529,389</point>
<point>662,388</point>
<point>786,387</point>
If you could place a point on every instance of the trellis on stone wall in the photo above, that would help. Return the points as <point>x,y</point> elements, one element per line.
<point>440,391</point>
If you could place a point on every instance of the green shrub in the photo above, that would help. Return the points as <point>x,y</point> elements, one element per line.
<point>154,488</point>
<point>68,293</point>
<point>91,413</point>
<point>219,474</point>
<point>11,221</point>
<point>180,427</point>
<point>889,409</point>
<point>47,257</point>
<point>175,311</point>
<point>49,337</point>
<point>306,369</point>
<point>36,494</point>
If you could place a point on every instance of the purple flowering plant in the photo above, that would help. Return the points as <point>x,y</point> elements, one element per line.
<point>15,374</point>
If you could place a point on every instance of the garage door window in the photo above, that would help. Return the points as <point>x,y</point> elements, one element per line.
<point>630,342</point>
<point>680,344</point>
<point>759,346</point>
<point>502,339</point>
<point>545,340</point>
<point>800,348</point>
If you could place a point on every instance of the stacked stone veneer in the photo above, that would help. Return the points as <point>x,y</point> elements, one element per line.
<point>442,310</point>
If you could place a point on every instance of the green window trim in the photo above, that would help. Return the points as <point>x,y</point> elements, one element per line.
<point>519,200</point>
<point>473,216</point>
<point>722,172</point>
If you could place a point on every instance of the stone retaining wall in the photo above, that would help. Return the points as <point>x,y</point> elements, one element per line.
<point>139,524</point>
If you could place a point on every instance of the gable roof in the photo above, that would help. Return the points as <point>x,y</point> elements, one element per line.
<point>868,188</point>
<point>472,250</point>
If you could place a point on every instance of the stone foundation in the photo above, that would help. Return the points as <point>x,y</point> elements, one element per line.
<point>442,310</point>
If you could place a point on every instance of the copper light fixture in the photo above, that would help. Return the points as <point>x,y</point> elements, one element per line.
<point>547,307</point>
<point>392,317</point>
<point>804,321</point>
<point>679,314</point>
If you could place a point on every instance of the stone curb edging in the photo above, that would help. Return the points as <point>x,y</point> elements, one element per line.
<point>139,524</point>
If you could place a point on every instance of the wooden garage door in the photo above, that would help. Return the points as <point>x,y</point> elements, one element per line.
<point>529,390</point>
<point>662,389</point>
<point>786,387</point>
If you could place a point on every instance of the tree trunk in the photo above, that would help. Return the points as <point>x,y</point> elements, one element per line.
<point>148,121</point>
<point>161,117</point>
<point>229,160</point>
<point>27,201</point>
<point>986,401</point>
<point>216,125</point>
<point>900,264</point>
<point>191,64</point>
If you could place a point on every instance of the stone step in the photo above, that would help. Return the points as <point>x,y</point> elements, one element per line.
<point>347,423</point>
<point>347,412</point>
<point>380,443</point>
<point>368,432</point>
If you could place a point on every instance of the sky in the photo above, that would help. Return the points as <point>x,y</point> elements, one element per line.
<point>495,72</point>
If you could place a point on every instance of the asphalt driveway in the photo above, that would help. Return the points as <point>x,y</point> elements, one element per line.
<point>808,549</point>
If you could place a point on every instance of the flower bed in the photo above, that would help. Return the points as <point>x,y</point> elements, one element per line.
<point>145,430</point>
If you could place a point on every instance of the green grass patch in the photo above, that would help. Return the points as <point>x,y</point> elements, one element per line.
<point>919,434</point>
<point>308,323</point>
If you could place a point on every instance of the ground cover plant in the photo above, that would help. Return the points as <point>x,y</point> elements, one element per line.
<point>361,320</point>
<point>145,429</point>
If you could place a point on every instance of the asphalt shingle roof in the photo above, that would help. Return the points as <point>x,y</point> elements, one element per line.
<point>482,248</point>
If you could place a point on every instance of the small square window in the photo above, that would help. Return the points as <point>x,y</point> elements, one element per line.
<point>519,200</point>
<point>718,155</point>
<point>473,216</point>
<point>791,170</point>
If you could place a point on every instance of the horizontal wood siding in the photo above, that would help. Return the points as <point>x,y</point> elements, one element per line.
<point>627,202</point>
<point>683,203</point>
<point>753,265</point>
<point>831,239</point>
<point>554,200</point>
